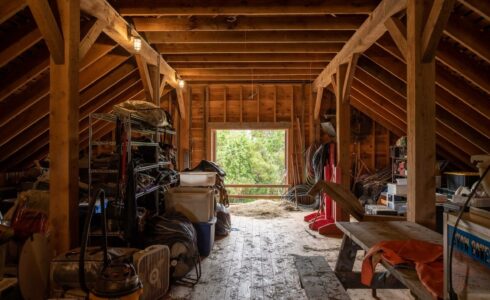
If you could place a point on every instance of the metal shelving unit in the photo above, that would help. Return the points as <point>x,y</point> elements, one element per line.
<point>132,124</point>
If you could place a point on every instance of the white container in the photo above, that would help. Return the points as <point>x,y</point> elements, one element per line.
<point>197,204</point>
<point>397,189</point>
<point>197,178</point>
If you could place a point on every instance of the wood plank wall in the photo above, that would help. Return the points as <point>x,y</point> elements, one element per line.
<point>259,106</point>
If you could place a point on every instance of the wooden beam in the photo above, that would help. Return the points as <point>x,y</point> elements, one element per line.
<point>90,37</point>
<point>434,26</point>
<point>318,103</point>
<point>342,132</point>
<point>64,100</point>
<point>250,58</point>
<point>421,122</point>
<point>233,8</point>
<point>248,65</point>
<point>181,102</point>
<point>145,77</point>
<point>480,7</point>
<point>248,78</point>
<point>46,22</point>
<point>398,32</point>
<point>102,47</point>
<point>242,37</point>
<point>249,72</point>
<point>19,45</point>
<point>257,57</point>
<point>117,29</point>
<point>154,72</point>
<point>8,8</point>
<point>349,76</point>
<point>244,23</point>
<point>163,83</point>
<point>469,35</point>
<point>372,29</point>
<point>248,48</point>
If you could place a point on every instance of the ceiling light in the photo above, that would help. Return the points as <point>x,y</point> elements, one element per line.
<point>181,83</point>
<point>137,43</point>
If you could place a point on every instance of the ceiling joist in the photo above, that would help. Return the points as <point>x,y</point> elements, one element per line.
<point>234,8</point>
<point>241,23</point>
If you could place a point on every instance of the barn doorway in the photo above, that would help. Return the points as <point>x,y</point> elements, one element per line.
<point>255,161</point>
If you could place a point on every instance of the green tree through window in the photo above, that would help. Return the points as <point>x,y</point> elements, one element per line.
<point>252,157</point>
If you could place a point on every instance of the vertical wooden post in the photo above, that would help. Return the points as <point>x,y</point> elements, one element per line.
<point>343,135</point>
<point>63,132</point>
<point>421,121</point>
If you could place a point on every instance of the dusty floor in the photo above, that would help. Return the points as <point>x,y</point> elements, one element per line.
<point>256,261</point>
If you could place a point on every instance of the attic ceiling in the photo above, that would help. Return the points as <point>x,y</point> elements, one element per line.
<point>243,41</point>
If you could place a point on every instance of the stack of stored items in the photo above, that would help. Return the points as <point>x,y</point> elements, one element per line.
<point>397,195</point>
<point>195,199</point>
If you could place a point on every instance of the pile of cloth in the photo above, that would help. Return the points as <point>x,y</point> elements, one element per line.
<point>144,110</point>
<point>426,258</point>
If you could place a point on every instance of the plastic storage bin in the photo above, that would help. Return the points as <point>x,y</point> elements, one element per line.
<point>205,236</point>
<point>197,204</point>
<point>397,189</point>
<point>197,178</point>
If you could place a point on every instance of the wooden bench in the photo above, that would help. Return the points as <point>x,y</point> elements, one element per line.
<point>364,235</point>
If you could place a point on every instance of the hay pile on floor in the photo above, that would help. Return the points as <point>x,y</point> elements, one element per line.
<point>262,209</point>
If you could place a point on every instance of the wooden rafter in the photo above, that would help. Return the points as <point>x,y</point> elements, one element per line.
<point>90,37</point>
<point>8,8</point>
<point>117,28</point>
<point>398,32</point>
<point>434,26</point>
<point>38,106</point>
<point>479,6</point>
<point>19,45</point>
<point>365,36</point>
<point>32,67</point>
<point>145,77</point>
<point>452,94</point>
<point>318,102</point>
<point>46,22</point>
<point>468,35</point>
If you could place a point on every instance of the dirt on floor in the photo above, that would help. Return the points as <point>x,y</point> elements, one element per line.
<point>263,209</point>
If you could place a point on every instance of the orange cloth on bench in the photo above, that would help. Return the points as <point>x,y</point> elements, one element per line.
<point>426,257</point>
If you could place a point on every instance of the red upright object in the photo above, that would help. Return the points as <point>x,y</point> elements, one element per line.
<point>324,219</point>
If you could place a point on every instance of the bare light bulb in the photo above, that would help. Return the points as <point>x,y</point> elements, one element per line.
<point>137,44</point>
<point>181,83</point>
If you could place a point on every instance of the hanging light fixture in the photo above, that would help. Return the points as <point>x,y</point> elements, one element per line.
<point>181,83</point>
<point>137,43</point>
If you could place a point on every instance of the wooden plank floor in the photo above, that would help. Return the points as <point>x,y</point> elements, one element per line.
<point>257,262</point>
